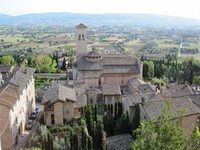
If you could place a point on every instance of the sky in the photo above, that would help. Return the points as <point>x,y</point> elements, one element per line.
<point>182,8</point>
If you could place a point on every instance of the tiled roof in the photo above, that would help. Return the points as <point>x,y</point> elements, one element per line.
<point>21,77</point>
<point>5,68</point>
<point>119,142</point>
<point>132,99</point>
<point>93,53</point>
<point>118,59</point>
<point>81,25</point>
<point>59,93</point>
<point>84,64</point>
<point>196,99</point>
<point>154,108</point>
<point>176,90</point>
<point>139,86</point>
<point>115,63</point>
<point>9,95</point>
<point>108,89</point>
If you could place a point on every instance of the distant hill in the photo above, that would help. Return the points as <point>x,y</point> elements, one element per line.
<point>98,19</point>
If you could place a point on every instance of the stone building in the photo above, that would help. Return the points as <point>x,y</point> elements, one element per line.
<point>17,101</point>
<point>96,70</point>
<point>58,104</point>
<point>183,107</point>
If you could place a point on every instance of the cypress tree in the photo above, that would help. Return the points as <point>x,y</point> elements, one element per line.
<point>115,113</point>
<point>89,119</point>
<point>120,110</point>
<point>105,107</point>
<point>76,143</point>
<point>99,135</point>
<point>83,139</point>
<point>111,111</point>
<point>63,67</point>
<point>95,113</point>
<point>71,140</point>
<point>136,119</point>
<point>90,144</point>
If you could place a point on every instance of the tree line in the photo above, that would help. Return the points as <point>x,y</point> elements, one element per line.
<point>177,70</point>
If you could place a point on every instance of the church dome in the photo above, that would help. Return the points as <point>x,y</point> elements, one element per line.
<point>93,56</point>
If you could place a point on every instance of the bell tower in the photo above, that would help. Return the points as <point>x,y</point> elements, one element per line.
<point>81,39</point>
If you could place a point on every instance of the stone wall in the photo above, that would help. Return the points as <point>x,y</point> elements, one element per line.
<point>47,117</point>
<point>6,140</point>
<point>120,79</point>
<point>58,112</point>
<point>112,99</point>
<point>68,110</point>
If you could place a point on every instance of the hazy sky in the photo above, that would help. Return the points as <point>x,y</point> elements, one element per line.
<point>184,8</point>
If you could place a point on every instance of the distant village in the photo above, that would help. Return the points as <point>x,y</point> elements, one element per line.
<point>100,99</point>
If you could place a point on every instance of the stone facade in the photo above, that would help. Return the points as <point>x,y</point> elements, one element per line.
<point>17,101</point>
<point>59,105</point>
<point>152,109</point>
<point>96,70</point>
<point>59,113</point>
<point>81,39</point>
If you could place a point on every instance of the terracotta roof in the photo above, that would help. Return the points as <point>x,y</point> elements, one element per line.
<point>84,64</point>
<point>5,68</point>
<point>196,99</point>
<point>108,89</point>
<point>93,53</point>
<point>116,63</point>
<point>21,77</point>
<point>176,90</point>
<point>118,59</point>
<point>139,86</point>
<point>9,95</point>
<point>59,93</point>
<point>153,108</point>
<point>81,25</point>
<point>119,142</point>
<point>132,99</point>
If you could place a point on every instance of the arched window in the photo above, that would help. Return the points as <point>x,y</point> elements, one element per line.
<point>52,119</point>
<point>79,37</point>
<point>83,37</point>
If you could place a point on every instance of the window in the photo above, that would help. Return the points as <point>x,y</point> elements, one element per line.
<point>64,121</point>
<point>52,119</point>
<point>79,38</point>
<point>91,100</point>
<point>83,38</point>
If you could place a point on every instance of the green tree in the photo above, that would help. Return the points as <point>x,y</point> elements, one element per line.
<point>99,135</point>
<point>148,69</point>
<point>196,80</point>
<point>194,142</point>
<point>89,120</point>
<point>161,133</point>
<point>63,67</point>
<point>7,60</point>
<point>45,64</point>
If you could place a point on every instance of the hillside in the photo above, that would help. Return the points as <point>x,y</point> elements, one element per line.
<point>97,19</point>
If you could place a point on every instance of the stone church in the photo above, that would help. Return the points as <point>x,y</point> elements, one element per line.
<point>102,74</point>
